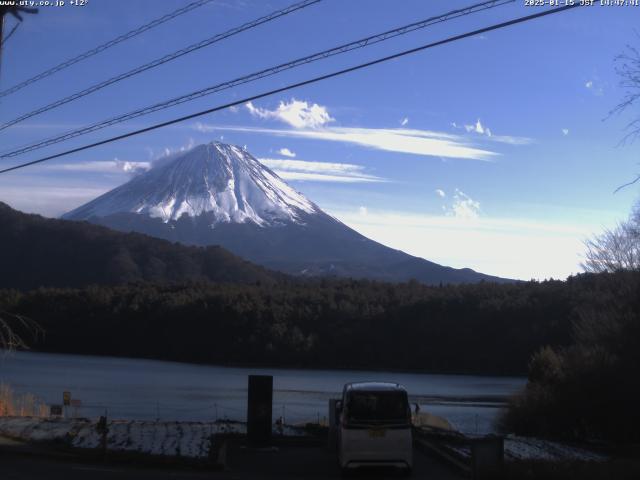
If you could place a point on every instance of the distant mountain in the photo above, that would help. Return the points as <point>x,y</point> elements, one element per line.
<point>36,251</point>
<point>219,194</point>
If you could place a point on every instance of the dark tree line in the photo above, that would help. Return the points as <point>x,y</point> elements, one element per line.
<point>37,251</point>
<point>589,389</point>
<point>479,328</point>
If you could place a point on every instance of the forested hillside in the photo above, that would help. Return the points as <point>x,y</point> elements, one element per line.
<point>588,389</point>
<point>481,328</point>
<point>36,252</point>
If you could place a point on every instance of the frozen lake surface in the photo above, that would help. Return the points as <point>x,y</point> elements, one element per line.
<point>150,389</point>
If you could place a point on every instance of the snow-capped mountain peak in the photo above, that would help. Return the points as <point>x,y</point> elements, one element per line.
<point>220,179</point>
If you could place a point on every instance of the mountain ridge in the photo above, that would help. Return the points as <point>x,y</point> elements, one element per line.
<point>215,178</point>
<point>220,194</point>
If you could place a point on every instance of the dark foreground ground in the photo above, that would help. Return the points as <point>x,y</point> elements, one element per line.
<point>286,463</point>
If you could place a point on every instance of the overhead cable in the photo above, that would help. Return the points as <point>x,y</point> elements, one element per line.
<point>300,84</point>
<point>105,46</point>
<point>361,43</point>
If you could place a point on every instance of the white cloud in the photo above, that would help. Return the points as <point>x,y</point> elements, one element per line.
<point>594,86</point>
<point>486,132</point>
<point>478,128</point>
<point>404,121</point>
<point>565,131</point>
<point>440,193</point>
<point>363,210</point>
<point>169,153</point>
<point>103,166</point>
<point>464,206</point>
<point>410,141</point>
<point>507,247</point>
<point>298,114</point>
<point>319,171</point>
<point>508,139</point>
<point>287,153</point>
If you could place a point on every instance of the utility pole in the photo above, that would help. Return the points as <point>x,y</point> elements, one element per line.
<point>2,12</point>
<point>15,11</point>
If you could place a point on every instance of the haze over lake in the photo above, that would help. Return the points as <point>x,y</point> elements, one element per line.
<point>148,389</point>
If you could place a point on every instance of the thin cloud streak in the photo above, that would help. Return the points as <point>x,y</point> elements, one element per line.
<point>321,177</point>
<point>319,171</point>
<point>102,166</point>
<point>410,141</point>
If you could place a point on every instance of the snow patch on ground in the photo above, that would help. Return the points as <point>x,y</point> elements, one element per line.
<point>184,439</point>
<point>526,448</point>
<point>518,448</point>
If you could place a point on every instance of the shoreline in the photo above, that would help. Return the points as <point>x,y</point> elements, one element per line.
<point>4,354</point>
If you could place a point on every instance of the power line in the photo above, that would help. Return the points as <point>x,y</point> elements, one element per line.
<point>364,42</point>
<point>299,84</point>
<point>105,46</point>
<point>163,60</point>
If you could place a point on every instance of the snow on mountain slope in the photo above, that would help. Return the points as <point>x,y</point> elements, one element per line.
<point>218,178</point>
<point>218,194</point>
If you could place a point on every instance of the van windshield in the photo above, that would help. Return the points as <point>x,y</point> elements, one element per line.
<point>377,407</point>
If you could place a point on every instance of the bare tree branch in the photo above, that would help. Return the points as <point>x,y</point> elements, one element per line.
<point>616,249</point>
<point>628,184</point>
<point>13,327</point>
<point>628,70</point>
<point>627,67</point>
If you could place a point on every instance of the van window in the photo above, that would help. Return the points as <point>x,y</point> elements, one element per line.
<point>377,407</point>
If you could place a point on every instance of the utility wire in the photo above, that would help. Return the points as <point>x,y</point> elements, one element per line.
<point>362,43</point>
<point>105,46</point>
<point>300,84</point>
<point>160,61</point>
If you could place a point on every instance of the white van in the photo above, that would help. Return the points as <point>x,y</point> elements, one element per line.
<point>374,426</point>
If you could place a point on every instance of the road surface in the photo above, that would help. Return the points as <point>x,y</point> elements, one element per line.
<point>285,463</point>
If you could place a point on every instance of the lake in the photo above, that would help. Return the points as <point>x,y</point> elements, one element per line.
<point>148,389</point>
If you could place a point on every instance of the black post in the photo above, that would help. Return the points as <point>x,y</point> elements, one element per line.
<point>259,409</point>
<point>103,430</point>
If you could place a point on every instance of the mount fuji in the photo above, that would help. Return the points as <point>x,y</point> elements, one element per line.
<point>219,194</point>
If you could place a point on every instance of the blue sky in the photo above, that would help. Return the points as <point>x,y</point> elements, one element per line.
<point>491,153</point>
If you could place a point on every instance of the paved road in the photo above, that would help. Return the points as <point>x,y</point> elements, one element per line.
<point>285,463</point>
